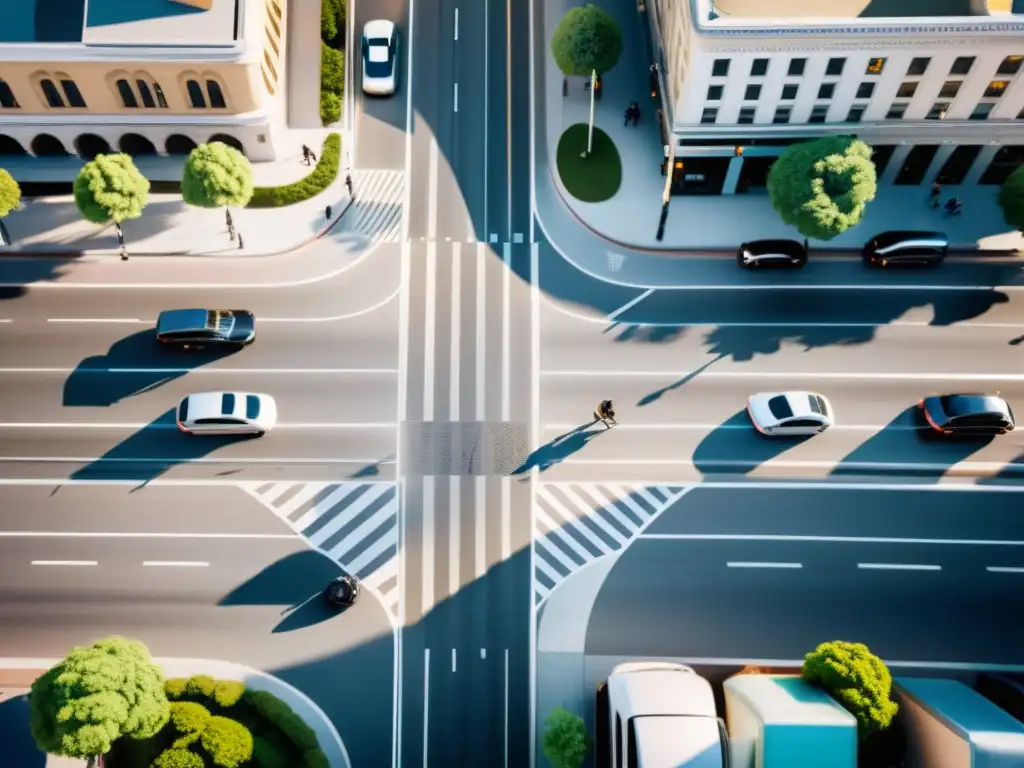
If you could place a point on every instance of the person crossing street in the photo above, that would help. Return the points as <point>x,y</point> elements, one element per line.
<point>605,413</point>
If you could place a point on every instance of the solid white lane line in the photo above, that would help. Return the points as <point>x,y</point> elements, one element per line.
<point>455,97</point>
<point>483,653</point>
<point>487,79</point>
<point>506,334</point>
<point>97,320</point>
<point>454,532</point>
<point>428,543</point>
<point>630,304</point>
<point>429,331</point>
<point>74,563</point>
<point>506,692</point>
<point>125,535</point>
<point>743,564</point>
<point>177,461</point>
<point>506,518</point>
<point>960,466</point>
<point>426,703</point>
<point>150,425</point>
<point>754,483</point>
<point>832,287</point>
<point>175,563</point>
<point>453,659</point>
<point>561,428</point>
<point>432,190</point>
<point>6,320</point>
<point>480,527</point>
<point>456,23</point>
<point>482,257</point>
<point>604,374</point>
<point>456,333</point>
<point>1003,569</point>
<point>897,567</point>
<point>829,539</point>
<point>202,370</point>
<point>535,332</point>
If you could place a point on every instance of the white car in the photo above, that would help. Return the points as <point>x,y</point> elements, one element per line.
<point>380,45</point>
<point>789,414</point>
<point>227,413</point>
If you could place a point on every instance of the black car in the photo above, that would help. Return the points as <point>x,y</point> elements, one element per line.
<point>906,248</point>
<point>199,328</point>
<point>772,253</point>
<point>967,415</point>
<point>342,592</point>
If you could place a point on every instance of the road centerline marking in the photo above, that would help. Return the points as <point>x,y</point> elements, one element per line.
<point>1004,569</point>
<point>826,539</point>
<point>72,563</point>
<point>175,564</point>
<point>753,564</point>
<point>898,567</point>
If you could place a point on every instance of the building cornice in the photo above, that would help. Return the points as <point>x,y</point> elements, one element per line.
<point>79,52</point>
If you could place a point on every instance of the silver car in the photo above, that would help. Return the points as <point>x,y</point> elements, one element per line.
<point>227,413</point>
<point>789,414</point>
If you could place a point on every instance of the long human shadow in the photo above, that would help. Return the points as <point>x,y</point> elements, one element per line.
<point>735,447</point>
<point>151,451</point>
<point>658,393</point>
<point>142,364</point>
<point>561,448</point>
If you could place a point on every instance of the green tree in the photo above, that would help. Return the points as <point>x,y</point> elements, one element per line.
<point>110,188</point>
<point>857,679</point>
<point>566,741</point>
<point>587,39</point>
<point>1011,199</point>
<point>178,758</point>
<point>821,187</point>
<point>332,19</point>
<point>217,175</point>
<point>10,199</point>
<point>96,695</point>
<point>227,742</point>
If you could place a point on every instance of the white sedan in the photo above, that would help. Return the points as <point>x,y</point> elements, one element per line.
<point>227,413</point>
<point>789,414</point>
<point>379,47</point>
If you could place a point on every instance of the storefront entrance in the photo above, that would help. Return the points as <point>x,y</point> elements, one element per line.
<point>754,175</point>
<point>701,176</point>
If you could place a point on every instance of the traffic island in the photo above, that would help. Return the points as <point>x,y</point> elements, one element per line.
<point>589,177</point>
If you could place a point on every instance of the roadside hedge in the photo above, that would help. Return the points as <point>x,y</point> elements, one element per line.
<point>291,725</point>
<point>188,716</point>
<point>319,179</point>
<point>227,742</point>
<point>330,107</point>
<point>178,758</point>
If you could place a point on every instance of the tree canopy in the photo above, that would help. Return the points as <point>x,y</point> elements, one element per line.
<point>1011,199</point>
<point>857,679</point>
<point>216,175</point>
<point>96,695</point>
<point>110,188</point>
<point>332,19</point>
<point>10,193</point>
<point>566,741</point>
<point>821,187</point>
<point>586,39</point>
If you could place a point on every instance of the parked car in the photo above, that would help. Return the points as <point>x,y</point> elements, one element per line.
<point>902,248</point>
<point>789,414</point>
<point>227,413</point>
<point>342,592</point>
<point>380,47</point>
<point>967,415</point>
<point>200,328</point>
<point>772,253</point>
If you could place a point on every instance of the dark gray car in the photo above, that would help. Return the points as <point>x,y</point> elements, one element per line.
<point>771,253</point>
<point>200,328</point>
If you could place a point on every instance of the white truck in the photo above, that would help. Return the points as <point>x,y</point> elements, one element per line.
<point>656,714</point>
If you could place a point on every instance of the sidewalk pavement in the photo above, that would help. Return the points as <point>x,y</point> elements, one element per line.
<point>630,218</point>
<point>167,227</point>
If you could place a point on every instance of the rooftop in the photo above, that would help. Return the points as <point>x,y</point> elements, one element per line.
<point>855,9</point>
<point>118,22</point>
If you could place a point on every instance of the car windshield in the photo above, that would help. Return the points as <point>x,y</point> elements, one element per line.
<point>220,321</point>
<point>780,408</point>
<point>252,406</point>
<point>956,406</point>
<point>378,58</point>
<point>227,403</point>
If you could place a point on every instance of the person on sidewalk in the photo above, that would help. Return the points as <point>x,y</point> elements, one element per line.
<point>305,154</point>
<point>628,115</point>
<point>636,112</point>
<point>348,183</point>
<point>935,194</point>
<point>241,245</point>
<point>954,206</point>
<point>605,414</point>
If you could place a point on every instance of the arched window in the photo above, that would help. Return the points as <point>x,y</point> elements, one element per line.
<point>51,93</point>
<point>7,100</point>
<point>74,95</point>
<point>127,94</point>
<point>160,100</point>
<point>195,94</point>
<point>145,94</point>
<point>216,95</point>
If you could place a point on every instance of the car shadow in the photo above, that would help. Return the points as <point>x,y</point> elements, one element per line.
<point>151,451</point>
<point>141,364</point>
<point>561,448</point>
<point>735,447</point>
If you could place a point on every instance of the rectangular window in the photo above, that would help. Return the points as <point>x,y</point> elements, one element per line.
<point>709,115</point>
<point>1010,65</point>
<point>950,89</point>
<point>720,68</point>
<point>789,91</point>
<point>759,68</point>
<point>746,116</point>
<point>875,66</point>
<point>907,90</point>
<point>855,114</point>
<point>835,66</point>
<point>938,111</point>
<point>73,94</point>
<point>796,67</point>
<point>782,115</point>
<point>918,66</point>
<point>962,65</point>
<point>825,90</point>
<point>896,112</point>
<point>996,89</point>
<point>818,113</point>
<point>714,93</point>
<point>7,100</point>
<point>865,90</point>
<point>981,111</point>
<point>956,167</point>
<point>753,93</point>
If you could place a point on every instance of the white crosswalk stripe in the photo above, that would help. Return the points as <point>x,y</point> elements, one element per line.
<point>355,524</point>
<point>576,523</point>
<point>376,212</point>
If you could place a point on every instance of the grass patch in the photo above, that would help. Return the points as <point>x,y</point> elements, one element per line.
<point>319,179</point>
<point>592,179</point>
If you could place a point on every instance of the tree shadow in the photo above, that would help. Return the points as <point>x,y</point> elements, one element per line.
<point>15,734</point>
<point>142,365</point>
<point>656,394</point>
<point>735,447</point>
<point>561,448</point>
<point>20,273</point>
<point>154,449</point>
<point>370,470</point>
<point>650,334</point>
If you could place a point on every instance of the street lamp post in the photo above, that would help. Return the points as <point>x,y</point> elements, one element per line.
<point>666,196</point>
<point>590,130</point>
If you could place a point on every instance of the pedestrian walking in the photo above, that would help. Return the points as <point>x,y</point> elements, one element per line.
<point>954,206</point>
<point>231,224</point>
<point>636,112</point>
<point>628,114</point>
<point>240,243</point>
<point>348,183</point>
<point>605,413</point>
<point>305,154</point>
<point>935,194</point>
<point>327,213</point>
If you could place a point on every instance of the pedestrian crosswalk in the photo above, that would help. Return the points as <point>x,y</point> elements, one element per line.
<point>355,524</point>
<point>376,212</point>
<point>576,523</point>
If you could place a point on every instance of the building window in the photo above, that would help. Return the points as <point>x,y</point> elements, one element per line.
<point>216,95</point>
<point>74,96</point>
<point>865,90</point>
<point>818,113</point>
<point>195,95</point>
<point>7,100</point>
<point>981,111</point>
<point>746,116</point>
<point>875,67</point>
<point>127,94</point>
<point>782,115</point>
<point>962,65</point>
<point>753,93</point>
<point>855,114</point>
<point>710,115</point>
<point>720,68</point>
<point>759,68</point>
<point>825,90</point>
<point>996,89</point>
<point>161,101</point>
<point>907,90</point>
<point>51,93</point>
<point>918,66</point>
<point>938,111</point>
<point>145,94</point>
<point>835,66</point>
<point>714,93</point>
<point>950,89</point>
<point>789,91</point>
<point>896,112</point>
<point>1010,65</point>
<point>796,67</point>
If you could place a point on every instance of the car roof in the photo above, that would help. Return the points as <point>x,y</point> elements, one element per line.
<point>974,405</point>
<point>378,28</point>
<point>911,238</point>
<point>762,247</point>
<point>181,320</point>
<point>207,405</point>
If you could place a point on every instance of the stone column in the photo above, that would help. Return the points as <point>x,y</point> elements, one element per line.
<point>941,156</point>
<point>981,163</point>
<point>732,176</point>
<point>899,156</point>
